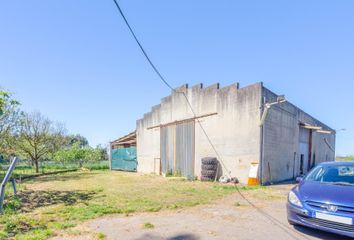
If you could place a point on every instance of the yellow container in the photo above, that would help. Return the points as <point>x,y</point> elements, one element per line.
<point>252,182</point>
<point>253,174</point>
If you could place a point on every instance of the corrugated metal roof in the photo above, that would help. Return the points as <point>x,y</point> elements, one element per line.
<point>127,140</point>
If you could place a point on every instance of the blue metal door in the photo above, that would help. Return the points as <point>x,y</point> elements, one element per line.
<point>124,159</point>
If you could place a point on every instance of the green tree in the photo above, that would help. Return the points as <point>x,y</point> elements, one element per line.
<point>78,155</point>
<point>6,101</point>
<point>10,116</point>
<point>74,154</point>
<point>38,137</point>
<point>77,138</point>
<point>95,154</point>
<point>102,151</point>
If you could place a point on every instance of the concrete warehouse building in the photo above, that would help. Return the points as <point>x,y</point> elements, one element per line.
<point>288,143</point>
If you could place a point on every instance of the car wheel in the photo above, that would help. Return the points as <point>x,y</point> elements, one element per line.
<point>292,223</point>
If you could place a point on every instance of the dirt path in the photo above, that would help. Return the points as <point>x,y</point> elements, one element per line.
<point>229,218</point>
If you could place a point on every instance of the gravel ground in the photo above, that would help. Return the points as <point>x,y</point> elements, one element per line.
<point>229,218</point>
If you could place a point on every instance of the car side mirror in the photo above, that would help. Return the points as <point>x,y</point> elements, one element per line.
<point>299,179</point>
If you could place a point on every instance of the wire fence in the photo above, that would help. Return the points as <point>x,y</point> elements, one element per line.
<point>25,170</point>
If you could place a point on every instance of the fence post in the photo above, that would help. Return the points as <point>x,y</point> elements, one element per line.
<point>110,155</point>
<point>4,181</point>
<point>14,185</point>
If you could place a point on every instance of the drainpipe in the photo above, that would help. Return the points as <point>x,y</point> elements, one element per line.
<point>261,152</point>
<point>261,158</point>
<point>264,110</point>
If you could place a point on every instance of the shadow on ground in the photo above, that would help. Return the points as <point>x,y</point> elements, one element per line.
<point>62,177</point>
<point>319,234</point>
<point>30,200</point>
<point>183,237</point>
<point>176,237</point>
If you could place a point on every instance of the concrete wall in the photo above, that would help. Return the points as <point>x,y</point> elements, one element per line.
<point>280,150</point>
<point>234,130</point>
<point>148,142</point>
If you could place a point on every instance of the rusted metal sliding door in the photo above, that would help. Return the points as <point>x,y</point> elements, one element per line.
<point>177,149</point>
<point>167,149</point>
<point>185,149</point>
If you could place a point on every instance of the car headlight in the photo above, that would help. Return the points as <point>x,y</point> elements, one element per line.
<point>293,199</point>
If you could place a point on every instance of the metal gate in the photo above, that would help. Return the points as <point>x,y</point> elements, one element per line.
<point>167,149</point>
<point>177,149</point>
<point>124,159</point>
<point>185,149</point>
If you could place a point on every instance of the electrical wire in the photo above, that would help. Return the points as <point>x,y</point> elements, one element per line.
<point>141,47</point>
<point>164,80</point>
<point>271,218</point>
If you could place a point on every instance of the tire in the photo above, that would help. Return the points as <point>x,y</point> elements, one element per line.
<point>209,167</point>
<point>209,173</point>
<point>292,223</point>
<point>206,179</point>
<point>209,176</point>
<point>209,161</point>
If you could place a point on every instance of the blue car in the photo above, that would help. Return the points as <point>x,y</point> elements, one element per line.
<point>324,199</point>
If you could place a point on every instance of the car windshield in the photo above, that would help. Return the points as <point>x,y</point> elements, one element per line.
<point>339,175</point>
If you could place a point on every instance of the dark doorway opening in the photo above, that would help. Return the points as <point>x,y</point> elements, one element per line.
<point>301,164</point>
<point>308,164</point>
<point>313,161</point>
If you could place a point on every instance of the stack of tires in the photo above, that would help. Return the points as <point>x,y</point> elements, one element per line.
<point>209,169</point>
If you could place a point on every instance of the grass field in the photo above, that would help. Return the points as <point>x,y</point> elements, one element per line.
<point>51,203</point>
<point>348,158</point>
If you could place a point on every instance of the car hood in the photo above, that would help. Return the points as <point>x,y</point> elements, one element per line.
<point>320,192</point>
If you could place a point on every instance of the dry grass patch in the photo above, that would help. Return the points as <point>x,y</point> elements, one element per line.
<point>51,203</point>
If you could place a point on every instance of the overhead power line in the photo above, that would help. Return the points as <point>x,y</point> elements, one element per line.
<point>141,47</point>
<point>262,212</point>
<point>166,82</point>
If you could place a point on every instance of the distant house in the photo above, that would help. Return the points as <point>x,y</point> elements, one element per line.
<point>288,143</point>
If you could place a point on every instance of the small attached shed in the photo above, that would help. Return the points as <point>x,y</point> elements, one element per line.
<point>123,153</point>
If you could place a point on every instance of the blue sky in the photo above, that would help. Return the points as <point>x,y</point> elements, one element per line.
<point>76,62</point>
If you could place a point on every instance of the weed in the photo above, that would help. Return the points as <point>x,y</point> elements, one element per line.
<point>169,173</point>
<point>233,188</point>
<point>177,173</point>
<point>11,204</point>
<point>101,236</point>
<point>172,206</point>
<point>246,188</point>
<point>154,209</point>
<point>148,225</point>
